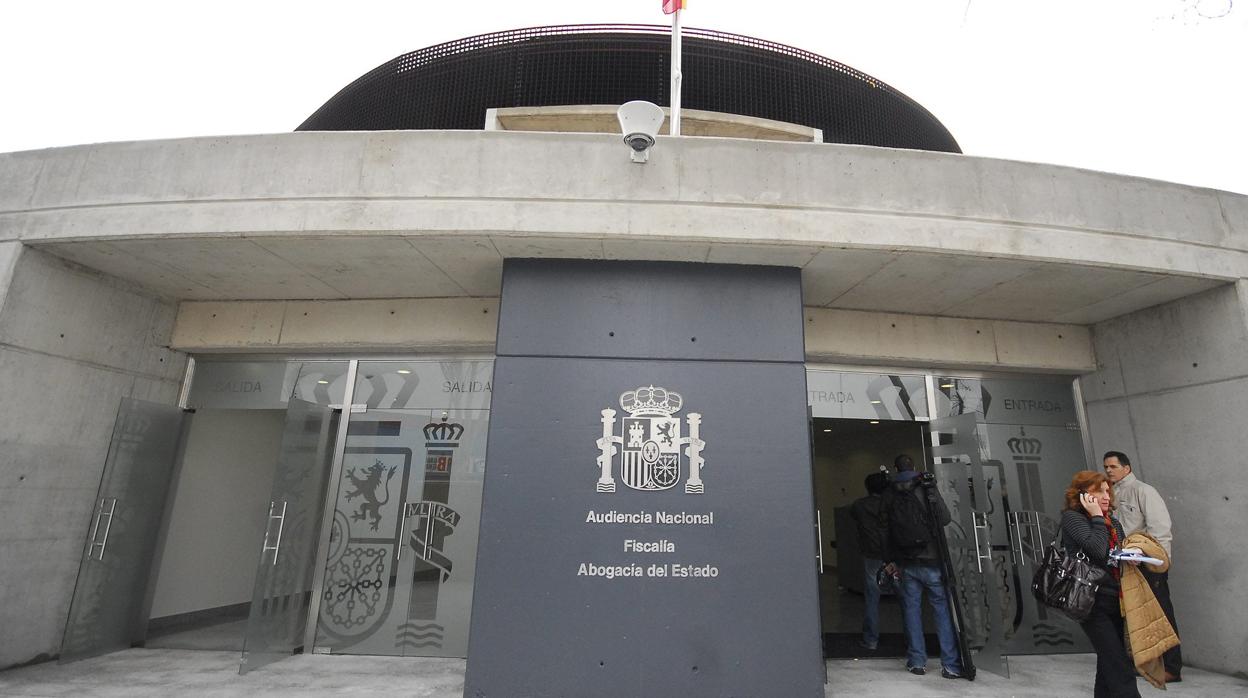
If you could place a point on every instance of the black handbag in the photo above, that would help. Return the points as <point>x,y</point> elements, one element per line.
<point>1067,583</point>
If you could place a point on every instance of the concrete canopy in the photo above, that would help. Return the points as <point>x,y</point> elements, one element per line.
<point>247,268</point>
<point>350,215</point>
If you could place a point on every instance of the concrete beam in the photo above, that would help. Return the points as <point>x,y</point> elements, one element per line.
<point>401,324</point>
<point>466,324</point>
<point>601,118</point>
<point>918,340</point>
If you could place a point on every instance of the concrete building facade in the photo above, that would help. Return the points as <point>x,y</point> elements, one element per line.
<point>122,262</point>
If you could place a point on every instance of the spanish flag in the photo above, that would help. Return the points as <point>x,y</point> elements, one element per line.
<point>670,6</point>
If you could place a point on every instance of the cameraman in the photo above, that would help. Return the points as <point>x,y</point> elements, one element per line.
<point>912,547</point>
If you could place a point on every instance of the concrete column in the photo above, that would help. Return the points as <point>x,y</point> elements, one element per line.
<point>73,343</point>
<point>1172,392</point>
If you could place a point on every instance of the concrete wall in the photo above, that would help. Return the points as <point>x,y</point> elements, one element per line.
<point>219,508</point>
<point>1172,392</point>
<point>9,252</point>
<point>72,345</point>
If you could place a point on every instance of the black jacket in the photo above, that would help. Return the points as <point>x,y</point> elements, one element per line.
<point>1089,535</point>
<point>866,514</point>
<point>912,488</point>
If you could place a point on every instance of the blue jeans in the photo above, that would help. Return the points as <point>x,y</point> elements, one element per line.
<point>871,594</point>
<point>914,579</point>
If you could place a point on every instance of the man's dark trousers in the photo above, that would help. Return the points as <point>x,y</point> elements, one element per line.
<point>1160,584</point>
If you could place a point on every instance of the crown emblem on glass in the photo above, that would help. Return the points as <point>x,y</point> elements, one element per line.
<point>1024,445</point>
<point>649,401</point>
<point>443,432</point>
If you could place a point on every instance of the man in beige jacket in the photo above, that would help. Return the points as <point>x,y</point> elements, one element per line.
<point>1139,507</point>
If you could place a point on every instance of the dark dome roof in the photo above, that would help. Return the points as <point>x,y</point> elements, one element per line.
<point>450,86</point>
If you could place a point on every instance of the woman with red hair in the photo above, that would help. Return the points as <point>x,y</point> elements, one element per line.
<point>1088,528</point>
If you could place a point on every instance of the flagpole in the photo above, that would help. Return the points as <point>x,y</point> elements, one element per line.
<point>674,122</point>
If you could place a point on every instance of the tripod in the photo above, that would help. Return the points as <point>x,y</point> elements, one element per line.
<point>947,573</point>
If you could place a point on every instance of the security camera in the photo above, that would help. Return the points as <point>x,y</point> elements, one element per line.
<point>639,142</point>
<point>640,122</point>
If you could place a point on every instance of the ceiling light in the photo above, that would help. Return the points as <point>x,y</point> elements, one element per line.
<point>404,371</point>
<point>875,421</point>
<point>323,382</point>
<point>877,402</point>
<point>946,385</point>
<point>827,431</point>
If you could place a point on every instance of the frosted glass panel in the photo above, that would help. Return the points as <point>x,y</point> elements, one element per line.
<point>402,556</point>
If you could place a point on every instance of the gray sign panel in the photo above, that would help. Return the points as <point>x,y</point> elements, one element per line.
<point>1008,401</point>
<point>647,310</point>
<point>246,385</point>
<point>647,525</point>
<point>881,396</point>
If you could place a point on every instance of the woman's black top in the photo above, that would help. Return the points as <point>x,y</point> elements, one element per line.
<point>1088,534</point>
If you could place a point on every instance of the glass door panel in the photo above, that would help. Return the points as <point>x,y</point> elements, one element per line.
<point>280,602</point>
<point>402,555</point>
<point>106,611</point>
<point>1030,445</point>
<point>965,483</point>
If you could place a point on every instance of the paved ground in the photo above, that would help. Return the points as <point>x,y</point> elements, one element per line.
<point>192,673</point>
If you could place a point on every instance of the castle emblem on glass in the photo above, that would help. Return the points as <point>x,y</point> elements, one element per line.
<point>649,444</point>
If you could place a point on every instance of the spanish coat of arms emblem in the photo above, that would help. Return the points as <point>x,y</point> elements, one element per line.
<point>650,443</point>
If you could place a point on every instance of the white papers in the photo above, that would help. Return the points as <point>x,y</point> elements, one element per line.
<point>1134,555</point>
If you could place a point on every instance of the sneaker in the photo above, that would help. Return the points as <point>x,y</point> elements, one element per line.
<point>868,646</point>
<point>950,674</point>
<point>1173,678</point>
<point>916,670</point>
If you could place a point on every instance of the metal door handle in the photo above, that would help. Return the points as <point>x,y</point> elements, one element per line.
<point>1033,521</point>
<point>819,538</point>
<point>428,541</point>
<point>975,526</point>
<point>402,533</point>
<point>1014,530</point>
<point>280,517</point>
<point>1030,522</point>
<point>95,530</point>
<point>100,514</point>
<point>1018,530</point>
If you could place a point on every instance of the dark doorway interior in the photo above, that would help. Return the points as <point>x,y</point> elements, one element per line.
<point>845,452</point>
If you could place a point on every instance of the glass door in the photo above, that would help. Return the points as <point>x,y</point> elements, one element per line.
<point>1030,444</point>
<point>282,597</point>
<point>1035,464</point>
<point>1007,448</point>
<point>398,573</point>
<point>107,612</point>
<point>965,482</point>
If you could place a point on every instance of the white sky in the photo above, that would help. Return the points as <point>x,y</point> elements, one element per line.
<point>1154,88</point>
